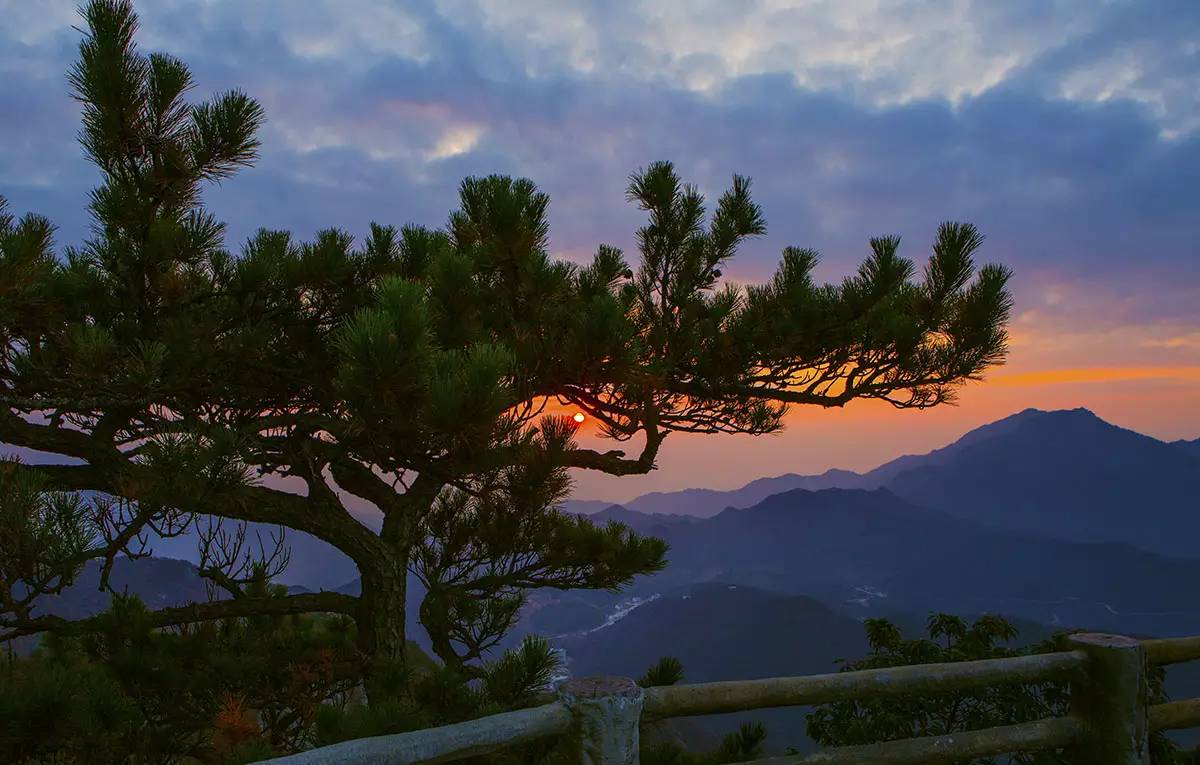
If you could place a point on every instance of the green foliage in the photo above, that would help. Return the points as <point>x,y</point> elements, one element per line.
<point>513,679</point>
<point>741,745</point>
<point>219,692</point>
<point>64,707</point>
<point>246,690</point>
<point>659,745</point>
<point>42,534</point>
<point>745,743</point>
<point>949,639</point>
<point>666,671</point>
<point>518,678</point>
<point>233,691</point>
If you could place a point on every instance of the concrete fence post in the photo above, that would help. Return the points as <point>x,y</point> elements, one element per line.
<point>607,713</point>
<point>1111,697</point>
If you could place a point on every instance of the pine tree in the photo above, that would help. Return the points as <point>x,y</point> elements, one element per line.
<point>417,370</point>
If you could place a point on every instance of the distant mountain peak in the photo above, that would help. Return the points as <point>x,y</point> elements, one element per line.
<point>1079,433</point>
<point>1062,474</point>
<point>1037,420</point>
<point>1035,416</point>
<point>1080,412</point>
<point>834,499</point>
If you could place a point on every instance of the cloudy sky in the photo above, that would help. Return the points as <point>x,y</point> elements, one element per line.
<point>1067,130</point>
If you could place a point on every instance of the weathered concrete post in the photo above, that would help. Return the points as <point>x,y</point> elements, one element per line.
<point>607,713</point>
<point>1111,698</point>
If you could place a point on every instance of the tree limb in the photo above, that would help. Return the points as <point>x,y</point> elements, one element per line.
<point>302,603</point>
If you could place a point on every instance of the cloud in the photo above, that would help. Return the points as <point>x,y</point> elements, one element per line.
<point>456,141</point>
<point>1189,340</point>
<point>881,53</point>
<point>1068,132</point>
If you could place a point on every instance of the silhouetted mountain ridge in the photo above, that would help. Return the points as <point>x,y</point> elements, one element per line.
<point>1066,475</point>
<point>1063,474</point>
<point>159,582</point>
<point>707,502</point>
<point>870,550</point>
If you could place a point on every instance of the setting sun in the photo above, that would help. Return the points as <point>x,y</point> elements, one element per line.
<point>579,417</point>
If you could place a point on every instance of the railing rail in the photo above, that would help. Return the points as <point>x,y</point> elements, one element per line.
<point>922,679</point>
<point>1175,715</point>
<point>1163,651</point>
<point>444,744</point>
<point>955,747</point>
<point>1109,721</point>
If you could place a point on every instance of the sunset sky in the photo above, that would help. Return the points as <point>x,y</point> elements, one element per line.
<point>1068,131</point>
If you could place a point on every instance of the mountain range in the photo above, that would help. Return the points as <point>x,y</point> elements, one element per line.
<point>159,582</point>
<point>1065,475</point>
<point>868,551</point>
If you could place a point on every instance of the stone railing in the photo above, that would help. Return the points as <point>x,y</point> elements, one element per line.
<point>1109,722</point>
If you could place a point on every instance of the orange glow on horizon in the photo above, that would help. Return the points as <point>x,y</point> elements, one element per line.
<point>1096,374</point>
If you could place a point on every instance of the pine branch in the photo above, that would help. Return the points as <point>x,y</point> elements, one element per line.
<point>301,603</point>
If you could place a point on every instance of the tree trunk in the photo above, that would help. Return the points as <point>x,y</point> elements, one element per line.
<point>381,632</point>
<point>383,610</point>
